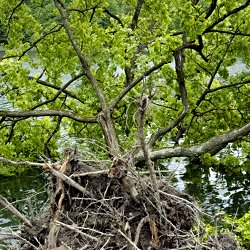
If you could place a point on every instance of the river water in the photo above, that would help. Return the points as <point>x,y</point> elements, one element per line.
<point>214,191</point>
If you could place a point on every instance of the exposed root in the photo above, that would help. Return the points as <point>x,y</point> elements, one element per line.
<point>90,210</point>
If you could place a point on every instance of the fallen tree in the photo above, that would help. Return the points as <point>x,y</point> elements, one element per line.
<point>89,208</point>
<point>129,83</point>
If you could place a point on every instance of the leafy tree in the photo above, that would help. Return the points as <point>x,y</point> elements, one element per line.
<point>125,80</point>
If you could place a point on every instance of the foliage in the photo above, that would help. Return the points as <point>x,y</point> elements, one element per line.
<point>68,62</point>
<point>241,228</point>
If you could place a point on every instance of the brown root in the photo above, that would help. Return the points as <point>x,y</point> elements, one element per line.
<point>90,210</point>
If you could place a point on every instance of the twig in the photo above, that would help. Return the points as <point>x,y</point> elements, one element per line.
<point>183,200</point>
<point>15,235</point>
<point>90,173</point>
<point>129,240</point>
<point>107,241</point>
<point>76,230</point>
<point>139,227</point>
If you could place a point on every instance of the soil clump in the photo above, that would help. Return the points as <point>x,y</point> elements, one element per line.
<point>89,210</point>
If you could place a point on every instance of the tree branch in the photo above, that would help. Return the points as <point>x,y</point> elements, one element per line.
<point>59,92</point>
<point>53,30</point>
<point>211,9</point>
<point>135,82</point>
<point>56,129</point>
<point>234,11</point>
<point>179,63</point>
<point>68,93</point>
<point>113,16</point>
<point>141,120</point>
<point>20,163</point>
<point>227,32</point>
<point>105,116</point>
<point>229,86</point>
<point>212,146</point>
<point>12,13</point>
<point>40,113</point>
<point>6,204</point>
<point>203,95</point>
<point>136,14</point>
<point>63,12</point>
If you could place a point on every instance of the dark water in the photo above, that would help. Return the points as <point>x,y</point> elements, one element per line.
<point>16,189</point>
<point>214,191</point>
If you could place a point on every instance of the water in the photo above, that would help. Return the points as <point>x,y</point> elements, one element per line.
<point>16,189</point>
<point>214,191</point>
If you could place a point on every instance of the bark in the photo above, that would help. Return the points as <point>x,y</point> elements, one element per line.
<point>104,117</point>
<point>212,146</point>
<point>40,113</point>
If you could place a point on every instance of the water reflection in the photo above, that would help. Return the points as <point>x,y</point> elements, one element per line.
<point>213,190</point>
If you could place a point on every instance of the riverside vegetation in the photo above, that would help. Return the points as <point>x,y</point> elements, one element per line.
<point>145,81</point>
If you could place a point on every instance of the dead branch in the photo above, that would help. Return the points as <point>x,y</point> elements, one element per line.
<point>142,110</point>
<point>67,179</point>
<point>139,227</point>
<point>17,236</point>
<point>75,229</point>
<point>6,204</point>
<point>129,240</point>
<point>20,163</point>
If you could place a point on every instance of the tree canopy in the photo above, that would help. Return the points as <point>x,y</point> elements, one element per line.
<point>124,79</point>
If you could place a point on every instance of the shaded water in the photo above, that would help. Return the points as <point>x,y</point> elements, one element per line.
<point>16,189</point>
<point>214,191</point>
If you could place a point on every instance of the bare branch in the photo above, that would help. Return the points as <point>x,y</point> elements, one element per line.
<point>128,239</point>
<point>20,163</point>
<point>67,180</point>
<point>76,230</point>
<point>40,113</point>
<point>68,93</point>
<point>135,82</point>
<point>212,146</point>
<point>6,204</point>
<point>231,12</point>
<point>83,11</point>
<point>229,86</point>
<point>56,129</point>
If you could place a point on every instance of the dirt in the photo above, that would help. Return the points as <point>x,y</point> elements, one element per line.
<point>104,215</point>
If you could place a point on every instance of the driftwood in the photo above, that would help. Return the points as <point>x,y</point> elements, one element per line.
<point>96,209</point>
